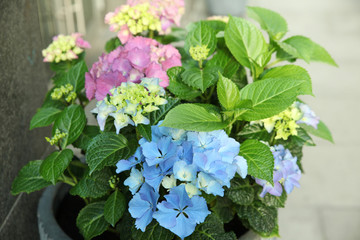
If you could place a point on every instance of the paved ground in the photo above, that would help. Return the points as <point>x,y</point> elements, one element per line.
<point>327,207</point>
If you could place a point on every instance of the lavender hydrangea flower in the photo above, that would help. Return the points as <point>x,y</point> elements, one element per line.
<point>308,116</point>
<point>179,213</point>
<point>124,165</point>
<point>143,205</point>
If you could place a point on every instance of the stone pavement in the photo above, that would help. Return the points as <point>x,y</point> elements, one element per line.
<point>327,207</point>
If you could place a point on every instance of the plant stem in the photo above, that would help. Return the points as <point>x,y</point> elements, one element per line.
<point>272,138</point>
<point>200,64</point>
<point>273,63</point>
<point>78,164</point>
<point>151,34</point>
<point>67,180</point>
<point>72,175</point>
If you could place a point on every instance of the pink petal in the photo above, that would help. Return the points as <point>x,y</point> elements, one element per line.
<point>124,34</point>
<point>89,86</point>
<point>135,76</point>
<point>140,59</point>
<point>171,62</point>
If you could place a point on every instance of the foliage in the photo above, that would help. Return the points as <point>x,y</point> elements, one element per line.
<point>202,148</point>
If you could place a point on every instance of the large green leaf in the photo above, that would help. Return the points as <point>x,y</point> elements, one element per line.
<point>254,131</point>
<point>106,149</point>
<point>201,34</point>
<point>91,221</point>
<point>274,201</point>
<point>86,136</point>
<point>200,78</point>
<point>291,72</point>
<point>152,232</point>
<point>55,164</point>
<point>240,192</point>
<point>224,209</point>
<point>245,41</point>
<point>194,117</point>
<point>259,159</point>
<point>75,76</point>
<point>228,93</point>
<point>262,218</point>
<point>225,61</point>
<point>94,186</point>
<point>322,131</point>
<point>115,207</point>
<point>304,48</point>
<point>44,117</point>
<point>71,121</point>
<point>212,228</point>
<point>29,179</point>
<point>272,22</point>
<point>271,96</point>
<point>178,87</point>
<point>160,114</point>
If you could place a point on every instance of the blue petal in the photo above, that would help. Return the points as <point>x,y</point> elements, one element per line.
<point>165,216</point>
<point>198,211</point>
<point>183,227</point>
<point>143,221</point>
<point>137,206</point>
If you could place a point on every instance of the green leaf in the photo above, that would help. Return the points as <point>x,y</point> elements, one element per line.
<point>228,93</point>
<point>224,209</point>
<point>304,48</point>
<point>302,138</point>
<point>194,117</point>
<point>112,44</point>
<point>291,72</point>
<point>152,232</point>
<point>212,228</point>
<point>115,207</point>
<point>200,78</point>
<point>272,22</point>
<point>106,149</point>
<point>145,131</point>
<point>71,121</point>
<point>86,136</point>
<point>245,41</point>
<point>75,76</point>
<point>259,159</point>
<point>94,186</point>
<point>160,114</point>
<point>178,87</point>
<point>91,221</point>
<point>55,164</point>
<point>44,117</point>
<point>240,192</point>
<point>217,25</point>
<point>322,131</point>
<point>201,35</point>
<point>29,179</point>
<point>271,96</point>
<point>224,60</point>
<point>262,218</point>
<point>274,201</point>
<point>254,131</point>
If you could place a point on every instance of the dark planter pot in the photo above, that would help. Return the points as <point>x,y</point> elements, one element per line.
<point>49,229</point>
<point>50,200</point>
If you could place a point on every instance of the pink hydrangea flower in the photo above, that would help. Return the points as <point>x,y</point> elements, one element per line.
<point>139,57</point>
<point>65,48</point>
<point>138,16</point>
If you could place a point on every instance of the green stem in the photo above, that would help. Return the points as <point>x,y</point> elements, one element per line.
<point>272,138</point>
<point>78,164</point>
<point>201,64</point>
<point>68,180</point>
<point>273,63</point>
<point>151,34</point>
<point>72,175</point>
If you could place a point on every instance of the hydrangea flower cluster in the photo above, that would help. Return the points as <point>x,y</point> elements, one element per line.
<point>64,91</point>
<point>286,122</point>
<point>140,57</point>
<point>199,53</point>
<point>138,16</point>
<point>65,48</point>
<point>56,138</point>
<point>185,163</point>
<point>128,102</point>
<point>286,173</point>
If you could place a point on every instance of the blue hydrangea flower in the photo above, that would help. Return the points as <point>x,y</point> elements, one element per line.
<point>135,180</point>
<point>308,116</point>
<point>103,110</point>
<point>143,205</point>
<point>211,162</point>
<point>241,165</point>
<point>124,165</point>
<point>203,141</point>
<point>157,152</point>
<point>179,213</point>
<point>184,172</point>
<point>275,190</point>
<point>209,184</point>
<point>155,174</point>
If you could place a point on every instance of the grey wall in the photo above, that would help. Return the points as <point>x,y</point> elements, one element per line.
<point>23,83</point>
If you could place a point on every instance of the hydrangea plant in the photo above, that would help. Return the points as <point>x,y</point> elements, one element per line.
<point>200,141</point>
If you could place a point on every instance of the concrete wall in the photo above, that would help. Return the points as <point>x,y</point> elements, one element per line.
<point>23,84</point>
